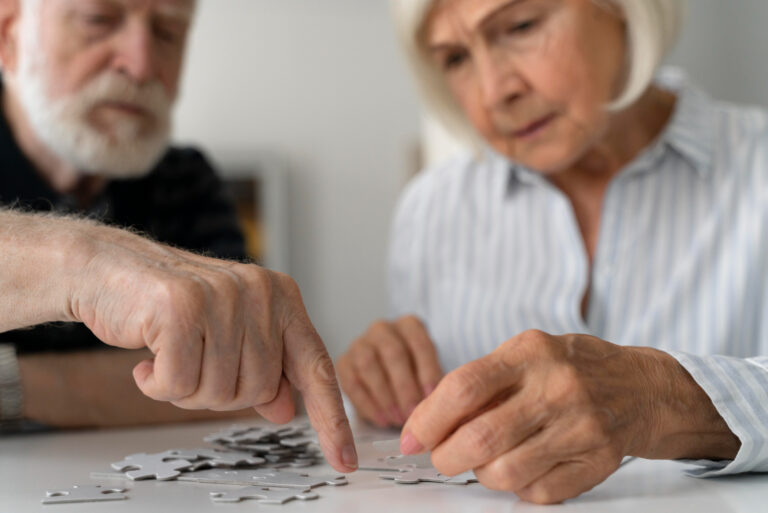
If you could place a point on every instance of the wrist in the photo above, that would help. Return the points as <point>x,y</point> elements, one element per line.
<point>39,259</point>
<point>681,420</point>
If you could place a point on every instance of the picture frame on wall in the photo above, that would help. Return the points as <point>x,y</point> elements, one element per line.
<point>261,203</point>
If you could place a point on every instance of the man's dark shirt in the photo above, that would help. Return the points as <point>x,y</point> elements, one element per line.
<point>180,202</point>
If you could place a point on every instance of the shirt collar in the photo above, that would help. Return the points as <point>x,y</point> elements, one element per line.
<point>690,133</point>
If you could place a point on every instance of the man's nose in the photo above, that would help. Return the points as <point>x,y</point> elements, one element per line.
<point>500,84</point>
<point>134,53</point>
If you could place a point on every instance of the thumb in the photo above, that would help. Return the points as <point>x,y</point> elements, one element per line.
<point>281,409</point>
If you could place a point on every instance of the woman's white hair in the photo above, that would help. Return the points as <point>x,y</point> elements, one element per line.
<point>652,29</point>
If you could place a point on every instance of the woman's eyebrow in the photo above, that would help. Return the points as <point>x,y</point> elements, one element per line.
<point>487,18</point>
<point>481,21</point>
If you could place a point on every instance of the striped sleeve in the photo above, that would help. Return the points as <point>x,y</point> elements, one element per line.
<point>738,389</point>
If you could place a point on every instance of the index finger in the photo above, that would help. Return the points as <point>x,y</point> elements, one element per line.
<point>310,369</point>
<point>462,394</point>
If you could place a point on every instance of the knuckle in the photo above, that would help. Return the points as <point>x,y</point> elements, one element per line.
<point>395,353</point>
<point>533,342</point>
<point>366,360</point>
<point>220,396</point>
<point>169,294</point>
<point>482,438</point>
<point>378,329</point>
<point>178,389</point>
<point>287,284</point>
<point>410,321</point>
<point>591,427</point>
<point>266,393</point>
<point>259,279</point>
<point>465,385</point>
<point>322,370</point>
<point>335,423</point>
<point>541,494</point>
<point>343,365</point>
<point>501,475</point>
<point>532,336</point>
<point>228,283</point>
<point>566,387</point>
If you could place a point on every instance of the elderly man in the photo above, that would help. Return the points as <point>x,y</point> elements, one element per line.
<point>87,92</point>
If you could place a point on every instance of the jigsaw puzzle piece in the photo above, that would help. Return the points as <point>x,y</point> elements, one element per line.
<point>420,475</point>
<point>84,493</point>
<point>217,458</point>
<point>295,479</point>
<point>263,495</point>
<point>161,466</point>
<point>217,476</point>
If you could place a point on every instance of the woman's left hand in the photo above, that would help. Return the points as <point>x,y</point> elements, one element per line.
<point>549,417</point>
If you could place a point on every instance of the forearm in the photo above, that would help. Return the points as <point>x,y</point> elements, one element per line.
<point>96,389</point>
<point>37,256</point>
<point>687,424</point>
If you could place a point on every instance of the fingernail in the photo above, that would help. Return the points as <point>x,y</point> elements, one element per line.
<point>428,389</point>
<point>349,456</point>
<point>409,444</point>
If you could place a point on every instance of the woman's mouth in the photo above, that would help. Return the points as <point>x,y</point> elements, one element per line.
<point>534,127</point>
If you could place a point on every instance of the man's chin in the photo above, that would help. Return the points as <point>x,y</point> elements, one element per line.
<point>124,160</point>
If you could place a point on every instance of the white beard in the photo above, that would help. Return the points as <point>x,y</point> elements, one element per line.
<point>62,124</point>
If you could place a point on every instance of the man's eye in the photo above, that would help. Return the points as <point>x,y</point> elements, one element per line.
<point>171,33</point>
<point>168,36</point>
<point>98,20</point>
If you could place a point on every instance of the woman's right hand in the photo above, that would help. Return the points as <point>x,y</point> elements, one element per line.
<point>389,369</point>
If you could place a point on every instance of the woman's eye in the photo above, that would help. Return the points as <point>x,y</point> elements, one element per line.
<point>522,27</point>
<point>454,60</point>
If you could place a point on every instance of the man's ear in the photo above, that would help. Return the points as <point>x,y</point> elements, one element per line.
<point>10,11</point>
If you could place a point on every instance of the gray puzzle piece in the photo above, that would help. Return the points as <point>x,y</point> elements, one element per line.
<point>217,458</point>
<point>411,461</point>
<point>262,477</point>
<point>161,466</point>
<point>298,441</point>
<point>84,493</point>
<point>218,476</point>
<point>422,475</point>
<point>263,495</point>
<point>378,463</point>
<point>227,433</point>
<point>285,478</point>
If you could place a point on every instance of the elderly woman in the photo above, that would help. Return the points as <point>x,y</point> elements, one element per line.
<point>594,272</point>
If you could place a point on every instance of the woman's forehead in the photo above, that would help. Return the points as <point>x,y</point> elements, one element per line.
<point>446,17</point>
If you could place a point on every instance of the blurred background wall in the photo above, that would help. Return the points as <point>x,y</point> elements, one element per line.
<point>317,90</point>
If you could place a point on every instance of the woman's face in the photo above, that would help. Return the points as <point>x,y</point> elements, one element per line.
<point>533,76</point>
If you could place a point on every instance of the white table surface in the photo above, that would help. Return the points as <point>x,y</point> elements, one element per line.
<point>32,464</point>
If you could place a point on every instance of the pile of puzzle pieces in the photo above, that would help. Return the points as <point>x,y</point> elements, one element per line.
<point>260,461</point>
<point>254,457</point>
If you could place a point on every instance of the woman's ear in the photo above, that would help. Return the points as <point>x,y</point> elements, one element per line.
<point>10,11</point>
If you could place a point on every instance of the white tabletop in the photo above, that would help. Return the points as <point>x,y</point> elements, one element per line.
<point>32,464</point>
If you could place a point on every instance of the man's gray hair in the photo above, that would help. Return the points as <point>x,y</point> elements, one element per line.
<point>652,29</point>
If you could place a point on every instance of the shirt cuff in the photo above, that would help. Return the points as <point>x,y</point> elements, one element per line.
<point>738,389</point>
